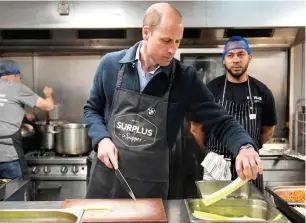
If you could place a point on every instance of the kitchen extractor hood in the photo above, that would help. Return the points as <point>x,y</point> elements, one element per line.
<point>103,26</point>
<point>44,40</point>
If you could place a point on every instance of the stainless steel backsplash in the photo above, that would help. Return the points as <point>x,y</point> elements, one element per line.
<point>71,78</point>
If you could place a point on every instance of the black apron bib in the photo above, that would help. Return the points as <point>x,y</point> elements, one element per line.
<point>17,142</point>
<point>249,116</point>
<point>137,126</point>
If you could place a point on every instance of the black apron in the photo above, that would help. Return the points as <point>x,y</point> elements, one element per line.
<point>137,126</point>
<point>248,115</point>
<point>17,143</point>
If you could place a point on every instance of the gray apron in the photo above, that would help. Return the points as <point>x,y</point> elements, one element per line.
<point>249,116</point>
<point>17,142</point>
<point>137,126</point>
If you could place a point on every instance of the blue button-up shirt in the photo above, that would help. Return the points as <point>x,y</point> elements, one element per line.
<point>144,78</point>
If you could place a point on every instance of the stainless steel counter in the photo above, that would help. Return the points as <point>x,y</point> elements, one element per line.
<point>175,209</point>
<point>276,168</point>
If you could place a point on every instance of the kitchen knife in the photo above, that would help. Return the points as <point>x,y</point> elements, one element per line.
<point>123,182</point>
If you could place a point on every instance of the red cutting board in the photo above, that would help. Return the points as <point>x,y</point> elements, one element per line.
<point>121,210</point>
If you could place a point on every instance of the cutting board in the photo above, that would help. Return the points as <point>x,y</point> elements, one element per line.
<point>120,210</point>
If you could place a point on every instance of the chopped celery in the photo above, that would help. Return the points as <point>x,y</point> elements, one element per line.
<point>279,216</point>
<point>246,218</point>
<point>208,216</point>
<point>97,208</point>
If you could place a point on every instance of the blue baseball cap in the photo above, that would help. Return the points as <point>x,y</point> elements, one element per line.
<point>236,42</point>
<point>8,67</point>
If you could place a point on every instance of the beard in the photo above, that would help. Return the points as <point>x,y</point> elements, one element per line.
<point>234,74</point>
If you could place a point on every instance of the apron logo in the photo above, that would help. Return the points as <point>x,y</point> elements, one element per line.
<point>135,130</point>
<point>151,111</point>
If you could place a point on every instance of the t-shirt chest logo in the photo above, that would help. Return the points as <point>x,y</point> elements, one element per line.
<point>134,130</point>
<point>3,100</point>
<point>256,99</point>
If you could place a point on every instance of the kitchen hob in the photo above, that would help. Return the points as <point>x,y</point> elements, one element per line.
<point>57,177</point>
<point>50,165</point>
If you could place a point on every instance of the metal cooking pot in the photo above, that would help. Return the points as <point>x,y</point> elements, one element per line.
<point>27,130</point>
<point>47,133</point>
<point>56,113</point>
<point>72,139</point>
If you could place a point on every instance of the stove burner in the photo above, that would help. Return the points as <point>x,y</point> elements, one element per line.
<point>41,154</point>
<point>71,155</point>
<point>44,153</point>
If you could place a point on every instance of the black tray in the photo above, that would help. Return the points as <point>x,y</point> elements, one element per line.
<point>293,215</point>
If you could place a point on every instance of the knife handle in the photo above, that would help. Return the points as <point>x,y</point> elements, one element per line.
<point>112,163</point>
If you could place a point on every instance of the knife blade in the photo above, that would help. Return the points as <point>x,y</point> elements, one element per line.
<point>123,181</point>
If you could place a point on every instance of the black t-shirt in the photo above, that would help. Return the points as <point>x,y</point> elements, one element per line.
<point>239,93</point>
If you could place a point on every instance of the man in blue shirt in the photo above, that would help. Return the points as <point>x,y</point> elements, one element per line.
<point>135,108</point>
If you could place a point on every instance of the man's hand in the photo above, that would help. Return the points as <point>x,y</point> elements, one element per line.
<point>48,92</point>
<point>29,117</point>
<point>108,151</point>
<point>248,164</point>
<point>196,129</point>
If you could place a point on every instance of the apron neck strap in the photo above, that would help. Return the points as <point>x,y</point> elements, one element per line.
<point>166,96</point>
<point>120,76</point>
<point>250,95</point>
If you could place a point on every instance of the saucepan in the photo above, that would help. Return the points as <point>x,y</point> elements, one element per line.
<point>47,132</point>
<point>72,139</point>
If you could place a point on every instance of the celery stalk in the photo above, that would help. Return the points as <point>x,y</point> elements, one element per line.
<point>246,218</point>
<point>208,216</point>
<point>220,194</point>
<point>279,216</point>
<point>92,208</point>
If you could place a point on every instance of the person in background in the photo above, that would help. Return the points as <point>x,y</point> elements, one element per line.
<point>14,96</point>
<point>247,99</point>
<point>138,100</point>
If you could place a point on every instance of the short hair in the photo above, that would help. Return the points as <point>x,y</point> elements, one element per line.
<point>152,18</point>
<point>153,15</point>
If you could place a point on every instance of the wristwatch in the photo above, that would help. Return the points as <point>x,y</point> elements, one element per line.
<point>247,146</point>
